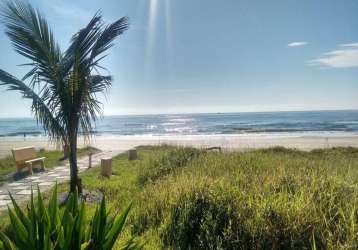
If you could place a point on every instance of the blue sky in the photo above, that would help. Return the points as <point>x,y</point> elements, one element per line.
<point>214,56</point>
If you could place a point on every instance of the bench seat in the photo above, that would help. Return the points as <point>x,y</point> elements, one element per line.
<point>35,160</point>
<point>26,157</point>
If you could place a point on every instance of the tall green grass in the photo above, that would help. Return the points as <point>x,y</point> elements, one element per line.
<point>276,198</point>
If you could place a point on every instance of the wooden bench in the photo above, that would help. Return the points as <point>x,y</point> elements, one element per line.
<point>26,157</point>
<point>214,148</point>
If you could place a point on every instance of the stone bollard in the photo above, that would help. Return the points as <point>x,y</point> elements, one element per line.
<point>132,155</point>
<point>106,167</point>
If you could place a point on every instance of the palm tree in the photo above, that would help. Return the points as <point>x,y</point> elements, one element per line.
<point>63,86</point>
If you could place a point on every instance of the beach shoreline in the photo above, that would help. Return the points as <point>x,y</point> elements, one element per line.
<point>228,142</point>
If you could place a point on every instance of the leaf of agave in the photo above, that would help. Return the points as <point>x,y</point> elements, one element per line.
<point>53,210</point>
<point>109,223</point>
<point>60,241</point>
<point>75,204</point>
<point>25,221</point>
<point>80,225</point>
<point>19,229</point>
<point>69,232</point>
<point>97,233</point>
<point>87,232</point>
<point>43,220</point>
<point>67,210</point>
<point>7,243</point>
<point>41,233</point>
<point>42,211</point>
<point>116,229</point>
<point>102,222</point>
<point>20,214</point>
<point>34,221</point>
<point>94,226</point>
<point>86,245</point>
<point>47,240</point>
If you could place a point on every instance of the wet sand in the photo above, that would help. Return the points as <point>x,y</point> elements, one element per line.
<point>229,142</point>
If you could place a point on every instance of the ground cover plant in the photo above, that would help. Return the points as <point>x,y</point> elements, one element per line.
<point>277,198</point>
<point>42,227</point>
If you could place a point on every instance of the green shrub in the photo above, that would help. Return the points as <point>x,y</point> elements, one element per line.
<point>261,199</point>
<point>204,219</point>
<point>216,216</point>
<point>51,228</point>
<point>166,163</point>
<point>213,205</point>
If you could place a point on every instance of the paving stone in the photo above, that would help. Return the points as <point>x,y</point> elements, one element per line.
<point>33,177</point>
<point>4,197</point>
<point>20,187</point>
<point>24,192</point>
<point>21,190</point>
<point>48,183</point>
<point>14,184</point>
<point>63,177</point>
<point>53,175</point>
<point>4,202</point>
<point>37,181</point>
<point>20,197</point>
<point>63,171</point>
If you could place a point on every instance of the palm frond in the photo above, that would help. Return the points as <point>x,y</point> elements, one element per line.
<point>82,42</point>
<point>31,37</point>
<point>42,113</point>
<point>106,38</point>
<point>99,83</point>
<point>69,82</point>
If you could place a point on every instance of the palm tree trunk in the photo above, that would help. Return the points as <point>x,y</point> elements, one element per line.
<point>75,182</point>
<point>73,165</point>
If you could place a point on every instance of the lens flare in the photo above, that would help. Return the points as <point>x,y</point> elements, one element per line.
<point>152,25</point>
<point>169,38</point>
<point>152,32</point>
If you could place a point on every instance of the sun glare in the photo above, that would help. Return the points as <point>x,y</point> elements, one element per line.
<point>152,23</point>
<point>154,11</point>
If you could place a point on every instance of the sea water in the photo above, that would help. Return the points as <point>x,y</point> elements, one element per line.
<point>320,123</point>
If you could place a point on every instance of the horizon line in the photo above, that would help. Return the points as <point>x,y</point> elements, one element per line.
<point>198,113</point>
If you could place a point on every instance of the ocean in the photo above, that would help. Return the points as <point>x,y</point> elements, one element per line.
<point>311,123</point>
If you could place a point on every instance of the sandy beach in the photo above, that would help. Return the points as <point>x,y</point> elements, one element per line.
<point>229,142</point>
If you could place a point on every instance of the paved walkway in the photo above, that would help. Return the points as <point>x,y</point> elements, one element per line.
<point>21,189</point>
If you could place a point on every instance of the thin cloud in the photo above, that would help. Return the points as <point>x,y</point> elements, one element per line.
<point>353,45</point>
<point>69,11</point>
<point>72,11</point>
<point>346,57</point>
<point>297,44</point>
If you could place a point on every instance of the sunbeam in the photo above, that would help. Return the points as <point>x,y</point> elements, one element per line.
<point>158,20</point>
<point>169,38</point>
<point>152,26</point>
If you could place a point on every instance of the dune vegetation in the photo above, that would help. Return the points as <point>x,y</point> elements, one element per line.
<point>185,198</point>
<point>276,198</point>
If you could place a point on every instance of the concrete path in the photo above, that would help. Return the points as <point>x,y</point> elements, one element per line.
<point>21,189</point>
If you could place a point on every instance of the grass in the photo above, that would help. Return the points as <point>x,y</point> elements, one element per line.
<point>184,198</point>
<point>53,159</point>
<point>274,198</point>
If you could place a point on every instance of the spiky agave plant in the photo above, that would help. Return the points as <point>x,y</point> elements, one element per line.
<point>63,86</point>
<point>45,228</point>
